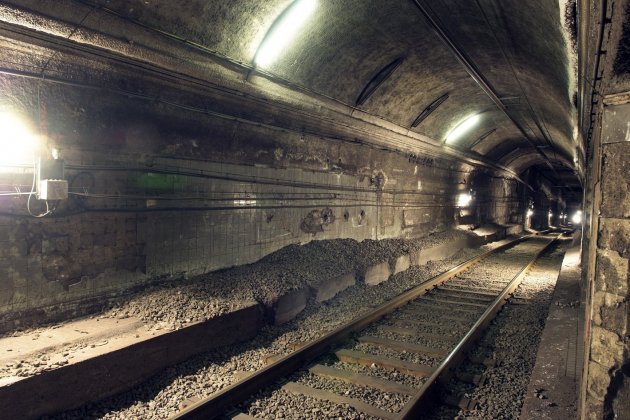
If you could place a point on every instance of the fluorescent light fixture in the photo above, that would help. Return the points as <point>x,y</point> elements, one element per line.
<point>283,30</point>
<point>463,127</point>
<point>463,200</point>
<point>18,144</point>
<point>577,217</point>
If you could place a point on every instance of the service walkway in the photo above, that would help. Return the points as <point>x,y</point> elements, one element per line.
<point>553,387</point>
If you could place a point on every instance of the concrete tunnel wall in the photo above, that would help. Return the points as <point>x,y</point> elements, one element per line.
<point>166,193</point>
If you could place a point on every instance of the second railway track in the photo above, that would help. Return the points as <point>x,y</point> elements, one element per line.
<point>412,343</point>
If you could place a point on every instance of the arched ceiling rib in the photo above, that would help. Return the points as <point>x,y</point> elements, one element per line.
<point>520,48</point>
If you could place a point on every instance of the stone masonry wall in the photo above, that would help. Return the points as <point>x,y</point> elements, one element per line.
<point>160,193</point>
<point>608,365</point>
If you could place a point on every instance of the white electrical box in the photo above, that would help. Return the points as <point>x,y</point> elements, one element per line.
<point>53,189</point>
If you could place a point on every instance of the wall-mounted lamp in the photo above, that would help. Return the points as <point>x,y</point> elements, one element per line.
<point>18,143</point>
<point>463,200</point>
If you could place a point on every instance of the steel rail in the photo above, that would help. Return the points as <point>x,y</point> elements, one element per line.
<point>216,404</point>
<point>417,407</point>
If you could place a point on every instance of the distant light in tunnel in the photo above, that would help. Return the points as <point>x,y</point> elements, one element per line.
<point>283,30</point>
<point>18,144</point>
<point>577,217</point>
<point>530,213</point>
<point>463,127</point>
<point>464,200</point>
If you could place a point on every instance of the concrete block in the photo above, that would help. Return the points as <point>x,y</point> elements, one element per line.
<point>492,234</point>
<point>513,229</point>
<point>440,252</point>
<point>377,273</point>
<point>490,237</point>
<point>289,305</point>
<point>113,372</point>
<point>475,241</point>
<point>414,258</point>
<point>328,288</point>
<point>402,264</point>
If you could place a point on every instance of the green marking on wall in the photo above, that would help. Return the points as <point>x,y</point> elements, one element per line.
<point>155,181</point>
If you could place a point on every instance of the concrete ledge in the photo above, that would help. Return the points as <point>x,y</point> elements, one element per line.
<point>289,305</point>
<point>402,264</point>
<point>556,373</point>
<point>376,274</point>
<point>439,252</point>
<point>106,371</point>
<point>110,373</point>
<point>492,233</point>
<point>328,289</point>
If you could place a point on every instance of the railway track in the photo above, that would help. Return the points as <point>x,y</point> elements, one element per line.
<point>418,338</point>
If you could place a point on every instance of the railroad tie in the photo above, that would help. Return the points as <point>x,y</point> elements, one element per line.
<point>363,380</point>
<point>465,279</point>
<point>415,333</point>
<point>402,345</point>
<point>468,291</point>
<point>365,359</point>
<point>418,318</point>
<point>462,283</point>
<point>413,323</point>
<point>477,298</point>
<point>431,299</point>
<point>435,306</point>
<point>299,389</point>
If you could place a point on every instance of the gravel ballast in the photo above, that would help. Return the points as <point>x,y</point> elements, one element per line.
<point>499,268</point>
<point>203,375</point>
<point>512,339</point>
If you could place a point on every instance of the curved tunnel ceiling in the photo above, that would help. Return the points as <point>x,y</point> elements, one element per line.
<point>522,50</point>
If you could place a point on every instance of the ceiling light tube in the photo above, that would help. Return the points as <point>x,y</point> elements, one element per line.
<point>283,30</point>
<point>463,127</point>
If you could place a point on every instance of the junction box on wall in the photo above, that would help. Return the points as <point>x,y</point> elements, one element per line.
<point>51,184</point>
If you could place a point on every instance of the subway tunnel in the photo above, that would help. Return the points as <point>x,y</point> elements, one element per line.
<point>192,194</point>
